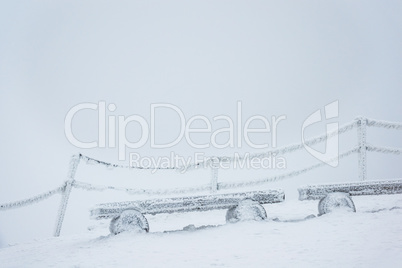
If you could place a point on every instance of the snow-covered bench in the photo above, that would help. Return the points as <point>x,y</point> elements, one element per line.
<point>339,195</point>
<point>315,192</point>
<point>241,206</point>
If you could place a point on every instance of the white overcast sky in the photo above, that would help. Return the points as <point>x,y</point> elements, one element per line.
<point>276,57</point>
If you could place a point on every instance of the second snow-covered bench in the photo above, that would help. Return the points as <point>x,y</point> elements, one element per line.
<point>335,196</point>
<point>241,206</point>
<point>314,192</point>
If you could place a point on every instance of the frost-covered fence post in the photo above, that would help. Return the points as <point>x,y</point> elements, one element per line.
<point>361,138</point>
<point>214,173</point>
<point>74,162</point>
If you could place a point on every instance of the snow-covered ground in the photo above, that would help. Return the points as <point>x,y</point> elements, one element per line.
<point>371,237</point>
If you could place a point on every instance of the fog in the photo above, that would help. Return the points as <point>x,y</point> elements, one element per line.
<point>275,57</point>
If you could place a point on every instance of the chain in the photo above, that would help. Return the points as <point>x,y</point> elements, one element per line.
<point>386,150</point>
<point>383,124</point>
<point>286,175</point>
<point>32,200</point>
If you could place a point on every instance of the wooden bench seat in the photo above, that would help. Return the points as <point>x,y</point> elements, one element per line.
<point>235,202</point>
<point>315,192</point>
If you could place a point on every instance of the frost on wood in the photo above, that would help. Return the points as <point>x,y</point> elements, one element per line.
<point>246,210</point>
<point>185,204</point>
<point>315,192</point>
<point>336,202</point>
<point>74,162</point>
<point>361,138</point>
<point>100,188</point>
<point>130,220</point>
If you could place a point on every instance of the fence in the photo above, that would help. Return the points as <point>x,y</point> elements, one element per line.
<point>361,149</point>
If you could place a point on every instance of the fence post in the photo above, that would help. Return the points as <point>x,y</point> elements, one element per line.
<point>214,174</point>
<point>74,162</point>
<point>361,138</point>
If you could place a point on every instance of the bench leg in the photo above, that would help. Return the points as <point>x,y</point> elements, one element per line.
<point>335,201</point>
<point>246,210</point>
<point>129,220</point>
